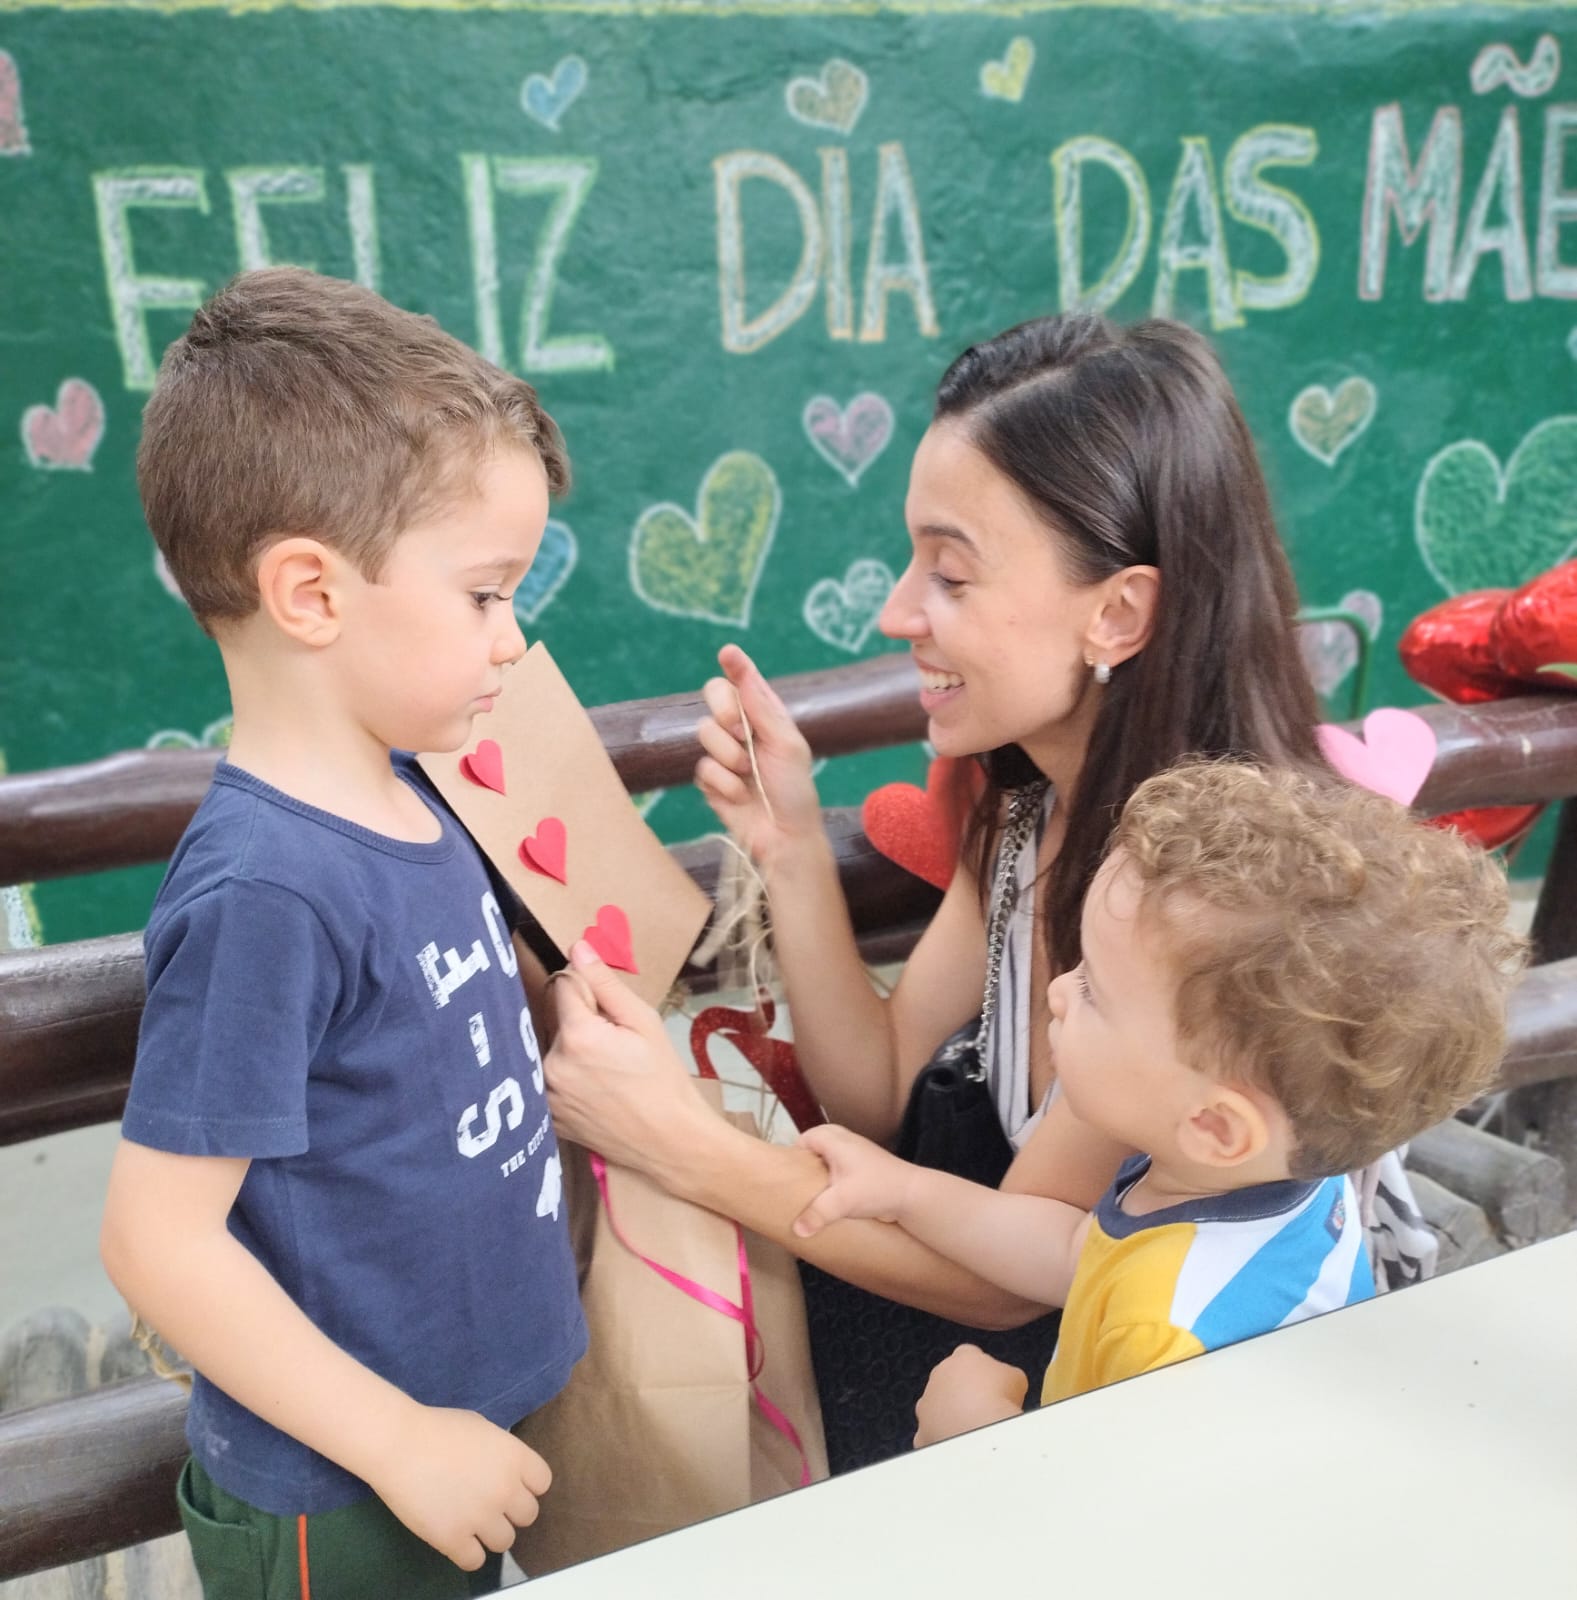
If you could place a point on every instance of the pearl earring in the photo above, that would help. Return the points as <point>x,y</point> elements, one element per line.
<point>1103,672</point>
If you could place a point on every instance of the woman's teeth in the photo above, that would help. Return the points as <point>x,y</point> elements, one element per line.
<point>937,681</point>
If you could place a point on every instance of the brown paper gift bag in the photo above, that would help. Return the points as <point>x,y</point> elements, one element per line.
<point>658,1428</point>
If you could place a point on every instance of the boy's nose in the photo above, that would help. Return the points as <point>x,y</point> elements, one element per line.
<point>1057,995</point>
<point>902,617</point>
<point>510,645</point>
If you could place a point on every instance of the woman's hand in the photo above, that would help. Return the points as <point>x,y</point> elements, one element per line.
<point>783,809</point>
<point>615,1083</point>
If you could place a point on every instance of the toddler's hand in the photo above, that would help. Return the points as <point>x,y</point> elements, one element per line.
<point>966,1391</point>
<point>863,1180</point>
<point>462,1483</point>
<point>725,776</point>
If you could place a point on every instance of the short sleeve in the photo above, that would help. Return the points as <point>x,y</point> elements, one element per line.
<point>242,986</point>
<point>1130,1348</point>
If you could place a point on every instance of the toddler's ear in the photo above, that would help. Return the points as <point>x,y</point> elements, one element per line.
<point>296,581</point>
<point>1225,1128</point>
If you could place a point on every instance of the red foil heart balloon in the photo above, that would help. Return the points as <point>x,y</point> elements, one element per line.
<point>1536,628</point>
<point>1490,826</point>
<point>1449,649</point>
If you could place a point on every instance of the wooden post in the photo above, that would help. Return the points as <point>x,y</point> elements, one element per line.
<point>1522,1192</point>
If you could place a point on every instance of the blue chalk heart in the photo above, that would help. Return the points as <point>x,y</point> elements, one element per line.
<point>547,99</point>
<point>555,561</point>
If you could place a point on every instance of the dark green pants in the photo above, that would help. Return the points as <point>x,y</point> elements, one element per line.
<point>360,1552</point>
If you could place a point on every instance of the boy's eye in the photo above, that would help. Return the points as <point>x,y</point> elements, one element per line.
<point>485,597</point>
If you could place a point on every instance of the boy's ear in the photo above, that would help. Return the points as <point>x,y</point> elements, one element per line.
<point>1126,617</point>
<point>1224,1129</point>
<point>298,587</point>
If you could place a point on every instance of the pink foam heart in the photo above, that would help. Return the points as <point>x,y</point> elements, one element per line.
<point>485,766</point>
<point>609,936</point>
<point>1392,758</point>
<point>547,849</point>
<point>68,435</point>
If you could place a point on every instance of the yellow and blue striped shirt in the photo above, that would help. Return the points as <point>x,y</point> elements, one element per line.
<point>1154,1289</point>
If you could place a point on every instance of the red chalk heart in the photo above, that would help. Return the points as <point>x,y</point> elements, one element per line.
<point>545,850</point>
<point>609,936</point>
<point>68,434</point>
<point>1393,758</point>
<point>485,766</point>
<point>919,829</point>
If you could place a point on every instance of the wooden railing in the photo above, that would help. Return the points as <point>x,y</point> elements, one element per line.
<point>96,1473</point>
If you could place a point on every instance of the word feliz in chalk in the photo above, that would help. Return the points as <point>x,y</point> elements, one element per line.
<point>546,99</point>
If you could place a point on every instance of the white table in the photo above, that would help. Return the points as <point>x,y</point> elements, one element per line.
<point>1420,1445</point>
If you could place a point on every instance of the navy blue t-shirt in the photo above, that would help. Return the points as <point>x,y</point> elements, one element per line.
<point>345,1010</point>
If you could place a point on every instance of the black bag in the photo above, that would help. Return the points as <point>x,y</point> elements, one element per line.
<point>873,1356</point>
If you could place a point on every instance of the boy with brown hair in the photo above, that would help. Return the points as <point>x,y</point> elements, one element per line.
<point>1283,977</point>
<point>337,1190</point>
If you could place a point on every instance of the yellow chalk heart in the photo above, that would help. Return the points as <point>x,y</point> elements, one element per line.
<point>1005,79</point>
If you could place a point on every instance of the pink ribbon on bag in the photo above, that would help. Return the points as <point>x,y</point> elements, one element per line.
<point>744,1314</point>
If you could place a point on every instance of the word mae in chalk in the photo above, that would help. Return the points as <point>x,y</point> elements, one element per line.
<point>1427,194</point>
<point>826,258</point>
<point>564,181</point>
<point>1193,236</point>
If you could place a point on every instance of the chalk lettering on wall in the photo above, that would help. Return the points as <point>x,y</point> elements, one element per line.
<point>1329,650</point>
<point>1426,194</point>
<point>361,215</point>
<point>1193,205</point>
<point>1557,205</point>
<point>1005,79</point>
<point>707,566</point>
<point>132,295</point>
<point>895,198</point>
<point>1479,527</point>
<point>843,613</point>
<point>850,439</point>
<point>13,126</point>
<point>834,98</point>
<point>1068,161</point>
<point>545,100</point>
<point>741,332</point>
<point>64,436</point>
<point>1277,211</point>
<point>569,180</point>
<point>251,188</point>
<point>555,560</point>
<point>1500,188</point>
<point>838,240</point>
<point>1497,64</point>
<point>1325,424</point>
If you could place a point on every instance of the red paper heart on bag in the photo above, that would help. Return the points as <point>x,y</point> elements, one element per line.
<point>485,766</point>
<point>609,936</point>
<point>773,1059</point>
<point>1536,627</point>
<point>1490,826</point>
<point>547,850</point>
<point>920,829</point>
<point>1450,649</point>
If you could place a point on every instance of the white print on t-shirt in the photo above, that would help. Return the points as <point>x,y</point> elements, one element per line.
<point>484,1051</point>
<point>498,932</point>
<point>552,1190</point>
<point>444,984</point>
<point>528,1037</point>
<point>506,1093</point>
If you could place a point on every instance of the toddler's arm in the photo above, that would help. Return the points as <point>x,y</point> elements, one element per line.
<point>1020,1242</point>
<point>451,1476</point>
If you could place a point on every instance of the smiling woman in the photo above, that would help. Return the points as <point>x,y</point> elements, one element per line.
<point>1096,588</point>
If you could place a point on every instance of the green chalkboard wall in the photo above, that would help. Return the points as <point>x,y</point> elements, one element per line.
<point>735,246</point>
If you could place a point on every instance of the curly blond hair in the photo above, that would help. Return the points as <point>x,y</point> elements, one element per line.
<point>1329,949</point>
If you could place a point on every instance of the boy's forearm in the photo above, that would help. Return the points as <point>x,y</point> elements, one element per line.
<point>1023,1243</point>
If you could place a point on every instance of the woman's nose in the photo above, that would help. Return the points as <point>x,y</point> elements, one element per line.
<point>902,617</point>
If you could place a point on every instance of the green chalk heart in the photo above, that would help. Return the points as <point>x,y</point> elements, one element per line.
<point>1481,528</point>
<point>707,565</point>
<point>1325,423</point>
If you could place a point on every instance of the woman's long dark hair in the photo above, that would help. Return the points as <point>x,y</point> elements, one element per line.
<point>1132,447</point>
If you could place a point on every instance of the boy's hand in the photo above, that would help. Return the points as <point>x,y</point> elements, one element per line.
<point>863,1180</point>
<point>784,807</point>
<point>462,1483</point>
<point>966,1391</point>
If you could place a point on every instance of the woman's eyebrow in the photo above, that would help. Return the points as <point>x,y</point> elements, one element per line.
<point>945,530</point>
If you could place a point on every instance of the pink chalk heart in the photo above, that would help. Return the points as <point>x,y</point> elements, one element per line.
<point>68,435</point>
<point>546,850</point>
<point>13,130</point>
<point>850,439</point>
<point>485,766</point>
<point>1392,758</point>
<point>609,936</point>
